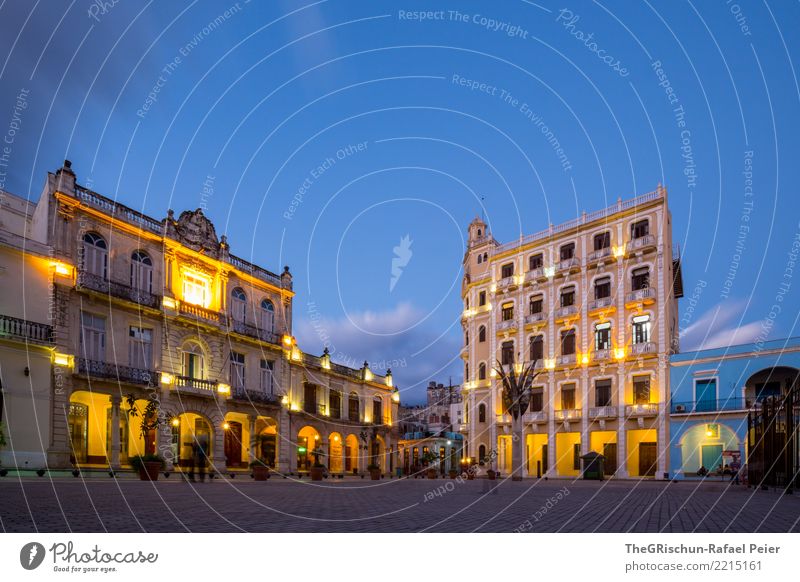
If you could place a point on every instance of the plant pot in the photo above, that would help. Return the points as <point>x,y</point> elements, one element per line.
<point>452,473</point>
<point>375,474</point>
<point>432,473</point>
<point>491,475</point>
<point>260,472</point>
<point>317,473</point>
<point>149,471</point>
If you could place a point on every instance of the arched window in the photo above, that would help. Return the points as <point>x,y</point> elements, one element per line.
<point>267,315</point>
<point>482,372</point>
<point>95,255</point>
<point>485,257</point>
<point>480,259</point>
<point>238,304</point>
<point>481,453</point>
<point>192,361</point>
<point>482,413</point>
<point>141,271</point>
<point>479,232</point>
<point>482,333</point>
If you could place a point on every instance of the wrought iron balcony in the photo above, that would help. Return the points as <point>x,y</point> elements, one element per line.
<point>508,324</point>
<point>568,414</point>
<point>705,406</point>
<point>255,396</point>
<point>97,283</point>
<point>641,243</point>
<point>600,254</point>
<point>567,359</point>
<point>535,317</point>
<point>602,355</point>
<point>507,283</point>
<point>573,264</point>
<point>602,303</point>
<point>535,416</point>
<point>603,412</point>
<point>21,329</point>
<point>94,369</point>
<point>647,409</point>
<point>568,311</point>
<point>254,331</point>
<point>537,274</point>
<point>644,348</point>
<point>646,296</point>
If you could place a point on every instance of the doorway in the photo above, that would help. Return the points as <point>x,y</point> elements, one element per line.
<point>233,444</point>
<point>648,454</point>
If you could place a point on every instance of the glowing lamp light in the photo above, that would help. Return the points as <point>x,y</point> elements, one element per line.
<point>169,303</point>
<point>285,400</point>
<point>550,363</point>
<point>336,438</point>
<point>225,426</point>
<point>395,396</point>
<point>301,449</point>
<point>549,272</point>
<point>449,443</point>
<point>62,269</point>
<point>167,378</point>
<point>493,288</point>
<point>62,360</point>
<point>287,340</point>
<point>493,373</point>
<point>296,354</point>
<point>294,407</point>
<point>709,433</point>
<point>619,252</point>
<point>176,422</point>
<point>585,359</point>
<point>316,437</point>
<point>223,388</point>
<point>619,353</point>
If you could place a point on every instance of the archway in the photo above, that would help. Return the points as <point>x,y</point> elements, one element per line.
<point>336,446</point>
<point>188,430</point>
<point>308,447</point>
<point>351,454</point>
<point>770,382</point>
<point>267,443</point>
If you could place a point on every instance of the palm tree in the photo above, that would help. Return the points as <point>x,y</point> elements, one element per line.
<point>516,398</point>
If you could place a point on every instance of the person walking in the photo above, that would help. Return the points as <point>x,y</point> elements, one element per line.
<point>735,467</point>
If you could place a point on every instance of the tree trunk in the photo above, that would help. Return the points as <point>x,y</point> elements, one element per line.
<point>517,468</point>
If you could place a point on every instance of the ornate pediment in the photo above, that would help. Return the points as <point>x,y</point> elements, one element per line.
<point>195,231</point>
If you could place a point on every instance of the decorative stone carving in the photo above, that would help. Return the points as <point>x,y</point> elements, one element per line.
<point>195,231</point>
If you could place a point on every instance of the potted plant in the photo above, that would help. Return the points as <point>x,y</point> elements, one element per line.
<point>374,472</point>
<point>148,466</point>
<point>452,473</point>
<point>260,470</point>
<point>317,471</point>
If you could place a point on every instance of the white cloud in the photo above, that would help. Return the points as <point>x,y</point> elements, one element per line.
<point>720,326</point>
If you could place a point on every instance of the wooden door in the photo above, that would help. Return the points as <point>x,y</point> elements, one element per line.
<point>233,444</point>
<point>648,453</point>
<point>610,453</point>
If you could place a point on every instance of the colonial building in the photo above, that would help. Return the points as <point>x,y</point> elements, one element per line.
<point>124,335</point>
<point>729,405</point>
<point>594,303</point>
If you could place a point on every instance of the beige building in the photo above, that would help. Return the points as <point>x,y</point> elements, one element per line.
<point>106,310</point>
<point>594,302</point>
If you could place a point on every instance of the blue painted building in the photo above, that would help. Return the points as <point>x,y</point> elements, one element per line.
<point>711,392</point>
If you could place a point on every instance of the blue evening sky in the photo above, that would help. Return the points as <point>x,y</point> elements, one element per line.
<point>269,103</point>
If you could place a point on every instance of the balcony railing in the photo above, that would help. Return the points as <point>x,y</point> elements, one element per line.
<point>602,355</point>
<point>568,414</point>
<point>257,271</point>
<point>601,303</point>
<point>508,324</point>
<point>567,311</point>
<point>569,264</point>
<point>254,331</point>
<point>201,313</point>
<point>600,254</point>
<point>603,412</point>
<point>644,348</point>
<point>648,240</point>
<point>313,407</point>
<point>507,283</point>
<point>535,317</point>
<point>704,406</point>
<point>535,416</point>
<point>255,396</point>
<point>535,274</point>
<point>648,409</point>
<point>566,359</point>
<point>94,369</point>
<point>25,330</point>
<point>118,210</point>
<point>196,384</point>
<point>646,295</point>
<point>87,280</point>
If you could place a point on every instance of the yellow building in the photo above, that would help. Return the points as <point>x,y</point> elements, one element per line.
<point>594,302</point>
<point>128,311</point>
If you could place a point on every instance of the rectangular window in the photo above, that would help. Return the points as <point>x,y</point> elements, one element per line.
<point>641,329</point>
<point>310,398</point>
<point>602,336</point>
<point>192,364</point>
<point>267,369</point>
<point>377,412</point>
<point>705,395</point>
<point>568,297</point>
<point>353,412</point>
<point>602,241</point>
<point>567,251</point>
<point>602,393</point>
<point>507,311</point>
<point>196,290</point>
<point>568,342</point>
<point>237,370</point>
<point>537,400</point>
<point>507,353</point>
<point>141,347</point>
<point>535,305</point>
<point>641,389</point>
<point>536,261</point>
<point>335,403</point>
<point>482,298</point>
<point>93,337</point>
<point>640,228</point>
<point>537,348</point>
<point>568,397</point>
<point>640,279</point>
<point>602,288</point>
<point>507,270</point>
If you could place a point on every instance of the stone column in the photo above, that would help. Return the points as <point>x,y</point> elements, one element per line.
<point>286,461</point>
<point>115,440</point>
<point>251,427</point>
<point>343,453</point>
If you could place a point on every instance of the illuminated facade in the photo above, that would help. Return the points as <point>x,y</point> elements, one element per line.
<point>594,303</point>
<point>130,310</point>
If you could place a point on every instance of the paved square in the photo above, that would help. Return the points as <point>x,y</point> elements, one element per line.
<point>406,505</point>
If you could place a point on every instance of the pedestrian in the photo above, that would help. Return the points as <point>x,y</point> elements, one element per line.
<point>735,467</point>
<point>193,461</point>
<point>202,456</point>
